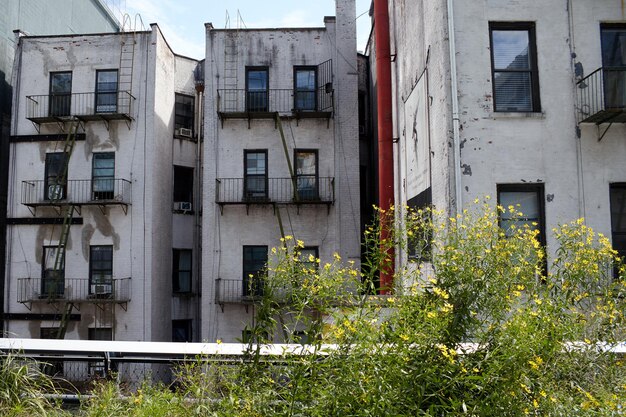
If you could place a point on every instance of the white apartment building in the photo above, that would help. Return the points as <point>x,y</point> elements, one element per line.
<point>281,157</point>
<point>103,208</point>
<point>521,101</point>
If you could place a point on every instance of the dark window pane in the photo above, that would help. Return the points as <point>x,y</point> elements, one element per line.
<point>305,85</point>
<point>181,330</point>
<point>618,218</point>
<point>101,270</point>
<point>306,174</point>
<point>102,333</point>
<point>513,91</point>
<point>182,271</point>
<point>55,180</point>
<point>257,89</point>
<point>510,49</point>
<point>103,176</point>
<point>106,91</point>
<point>53,274</point>
<point>60,94</point>
<point>183,184</point>
<point>526,200</point>
<point>254,262</point>
<point>614,46</point>
<point>515,80</point>
<point>184,112</point>
<point>255,170</point>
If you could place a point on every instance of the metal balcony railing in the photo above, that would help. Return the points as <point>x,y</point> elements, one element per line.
<point>47,108</point>
<point>77,192</point>
<point>602,96</point>
<point>256,190</point>
<point>241,102</point>
<point>236,291</point>
<point>33,290</point>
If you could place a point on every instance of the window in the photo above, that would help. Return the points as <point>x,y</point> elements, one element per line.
<point>51,368</point>
<point>184,115</point>
<point>614,64</point>
<point>53,273</point>
<point>254,262</point>
<point>100,333</point>
<point>255,174</point>
<point>181,331</point>
<point>181,271</point>
<point>308,257</point>
<point>306,174</point>
<point>103,176</point>
<point>618,218</point>
<point>257,89</point>
<point>183,188</point>
<point>106,91</point>
<point>55,178</point>
<point>97,368</point>
<point>60,94</point>
<point>247,336</point>
<point>419,244</point>
<point>526,199</point>
<point>101,271</point>
<point>305,86</point>
<point>514,67</point>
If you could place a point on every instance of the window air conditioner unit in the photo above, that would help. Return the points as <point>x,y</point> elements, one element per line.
<point>100,289</point>
<point>183,132</point>
<point>182,206</point>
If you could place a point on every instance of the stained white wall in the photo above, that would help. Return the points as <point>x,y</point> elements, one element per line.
<point>332,230</point>
<point>511,148</point>
<point>143,237</point>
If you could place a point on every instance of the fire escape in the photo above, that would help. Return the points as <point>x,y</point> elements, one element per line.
<point>70,111</point>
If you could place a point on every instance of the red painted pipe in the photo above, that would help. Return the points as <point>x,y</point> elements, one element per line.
<point>385,128</point>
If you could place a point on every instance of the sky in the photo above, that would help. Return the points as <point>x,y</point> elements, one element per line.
<point>182,21</point>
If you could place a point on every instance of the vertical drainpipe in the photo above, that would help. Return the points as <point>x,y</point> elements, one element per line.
<point>385,126</point>
<point>455,111</point>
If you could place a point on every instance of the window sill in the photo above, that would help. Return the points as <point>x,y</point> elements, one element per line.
<point>187,138</point>
<point>189,294</point>
<point>191,212</point>
<point>517,115</point>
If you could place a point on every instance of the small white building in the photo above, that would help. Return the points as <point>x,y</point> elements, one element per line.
<point>281,157</point>
<point>522,101</point>
<point>104,223</point>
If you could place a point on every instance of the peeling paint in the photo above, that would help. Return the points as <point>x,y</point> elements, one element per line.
<point>467,169</point>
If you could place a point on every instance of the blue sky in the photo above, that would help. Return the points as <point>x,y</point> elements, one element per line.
<point>182,21</point>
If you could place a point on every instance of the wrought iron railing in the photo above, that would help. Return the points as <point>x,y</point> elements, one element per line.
<point>102,191</point>
<point>31,290</point>
<point>602,96</point>
<point>255,190</point>
<point>275,100</point>
<point>50,107</point>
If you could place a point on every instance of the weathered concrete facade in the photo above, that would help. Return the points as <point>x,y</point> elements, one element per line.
<point>244,214</point>
<point>36,17</point>
<point>547,146</point>
<point>135,224</point>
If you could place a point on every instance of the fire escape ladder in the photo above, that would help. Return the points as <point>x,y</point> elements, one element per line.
<point>127,64</point>
<point>59,260</point>
<point>65,319</point>
<point>279,124</point>
<point>231,66</point>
